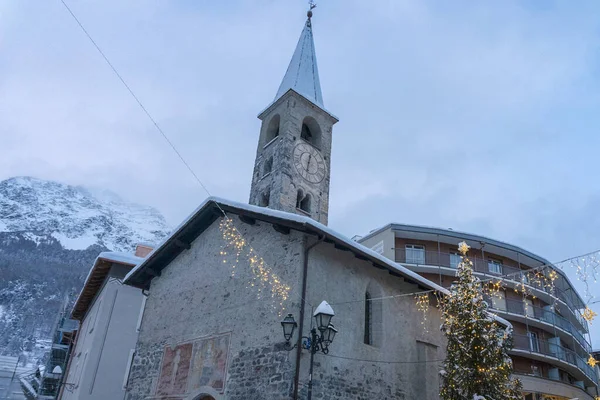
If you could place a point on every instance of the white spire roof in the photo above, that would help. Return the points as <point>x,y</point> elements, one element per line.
<point>302,74</point>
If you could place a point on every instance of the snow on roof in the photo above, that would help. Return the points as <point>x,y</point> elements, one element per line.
<point>351,244</point>
<point>110,256</point>
<point>302,74</point>
<point>118,257</point>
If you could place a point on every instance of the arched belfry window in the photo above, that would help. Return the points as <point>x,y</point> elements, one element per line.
<point>273,129</point>
<point>373,328</point>
<point>311,132</point>
<point>303,201</point>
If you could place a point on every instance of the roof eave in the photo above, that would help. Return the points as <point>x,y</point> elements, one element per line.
<point>284,96</point>
<point>212,209</point>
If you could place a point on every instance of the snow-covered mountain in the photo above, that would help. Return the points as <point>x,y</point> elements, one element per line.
<point>50,234</point>
<point>74,216</point>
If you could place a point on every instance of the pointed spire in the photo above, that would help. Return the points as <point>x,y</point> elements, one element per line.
<point>302,74</point>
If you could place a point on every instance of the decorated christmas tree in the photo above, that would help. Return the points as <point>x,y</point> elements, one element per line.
<point>477,366</point>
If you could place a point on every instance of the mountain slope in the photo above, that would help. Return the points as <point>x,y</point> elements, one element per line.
<point>75,216</point>
<point>50,233</point>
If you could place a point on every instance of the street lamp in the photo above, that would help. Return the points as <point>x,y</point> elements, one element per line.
<point>323,315</point>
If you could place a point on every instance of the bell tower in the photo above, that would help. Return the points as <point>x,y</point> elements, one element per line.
<point>291,171</point>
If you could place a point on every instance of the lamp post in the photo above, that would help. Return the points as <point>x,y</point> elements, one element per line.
<point>318,340</point>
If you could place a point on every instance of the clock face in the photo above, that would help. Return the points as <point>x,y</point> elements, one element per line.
<point>309,163</point>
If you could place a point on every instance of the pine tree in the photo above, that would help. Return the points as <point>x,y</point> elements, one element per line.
<point>477,365</point>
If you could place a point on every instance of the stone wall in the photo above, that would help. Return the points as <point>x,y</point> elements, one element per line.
<point>197,299</point>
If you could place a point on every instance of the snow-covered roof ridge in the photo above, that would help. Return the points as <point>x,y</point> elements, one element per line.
<point>309,222</point>
<point>119,257</point>
<point>302,74</point>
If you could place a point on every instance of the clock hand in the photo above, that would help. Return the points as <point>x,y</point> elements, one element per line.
<point>308,163</point>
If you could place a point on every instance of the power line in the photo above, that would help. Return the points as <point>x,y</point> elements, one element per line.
<point>158,128</point>
<point>382,361</point>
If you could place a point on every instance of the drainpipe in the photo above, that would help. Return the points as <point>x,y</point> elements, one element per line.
<point>302,301</point>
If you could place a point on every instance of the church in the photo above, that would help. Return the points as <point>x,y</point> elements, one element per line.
<point>264,301</point>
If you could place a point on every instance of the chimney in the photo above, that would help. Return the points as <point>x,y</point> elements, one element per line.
<point>143,249</point>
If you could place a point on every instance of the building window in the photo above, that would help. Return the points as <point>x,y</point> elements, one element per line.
<point>368,319</point>
<point>303,201</point>
<point>525,277</point>
<point>529,311</point>
<point>455,260</point>
<point>495,266</point>
<point>268,166</point>
<point>499,301</point>
<point>373,329</point>
<point>272,129</point>
<point>415,254</point>
<point>265,198</point>
<point>534,344</point>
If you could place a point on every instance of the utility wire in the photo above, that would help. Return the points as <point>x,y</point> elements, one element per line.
<point>135,97</point>
<point>382,361</point>
<point>197,178</point>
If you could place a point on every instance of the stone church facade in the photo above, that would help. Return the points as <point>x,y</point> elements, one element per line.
<point>211,328</point>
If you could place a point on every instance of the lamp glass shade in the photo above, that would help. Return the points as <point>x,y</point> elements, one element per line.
<point>289,325</point>
<point>323,315</point>
<point>329,334</point>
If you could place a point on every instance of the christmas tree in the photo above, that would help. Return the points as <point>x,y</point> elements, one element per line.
<point>477,366</point>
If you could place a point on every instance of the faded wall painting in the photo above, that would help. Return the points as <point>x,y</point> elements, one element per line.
<point>175,369</point>
<point>209,363</point>
<point>191,366</point>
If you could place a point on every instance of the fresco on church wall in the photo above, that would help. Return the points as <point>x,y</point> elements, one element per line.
<point>175,370</point>
<point>209,363</point>
<point>191,366</point>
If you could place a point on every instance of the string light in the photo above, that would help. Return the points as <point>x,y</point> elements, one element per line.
<point>477,353</point>
<point>592,361</point>
<point>589,314</point>
<point>263,280</point>
<point>423,307</point>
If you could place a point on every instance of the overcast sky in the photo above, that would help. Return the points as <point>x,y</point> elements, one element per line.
<point>479,116</point>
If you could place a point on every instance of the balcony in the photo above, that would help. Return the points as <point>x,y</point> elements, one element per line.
<point>543,385</point>
<point>433,261</point>
<point>545,316</point>
<point>571,360</point>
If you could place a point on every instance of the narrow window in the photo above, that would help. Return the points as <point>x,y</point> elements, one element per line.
<point>534,344</point>
<point>415,254</point>
<point>368,319</point>
<point>268,166</point>
<point>265,198</point>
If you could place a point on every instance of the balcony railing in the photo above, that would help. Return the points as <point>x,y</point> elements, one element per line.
<point>484,266</point>
<point>540,314</point>
<point>535,345</point>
